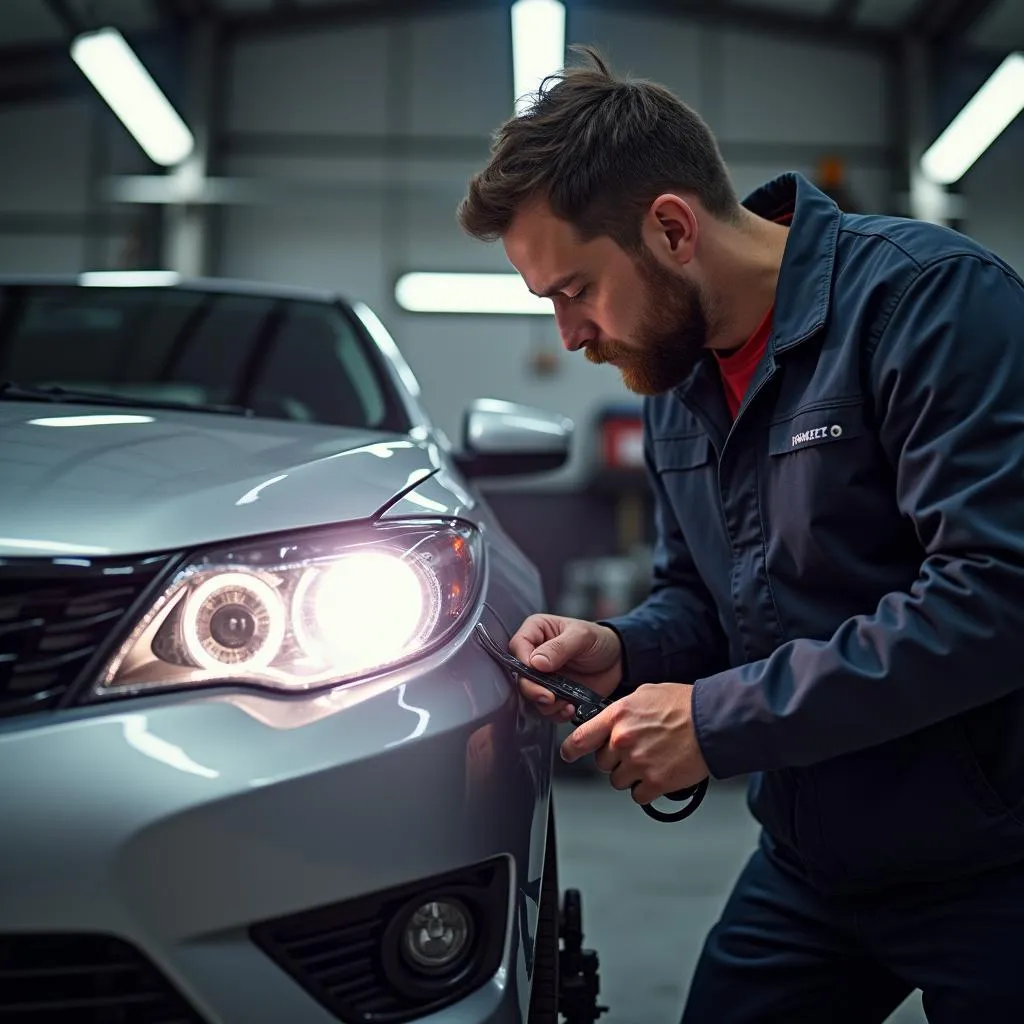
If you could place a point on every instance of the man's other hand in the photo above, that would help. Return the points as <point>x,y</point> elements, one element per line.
<point>645,738</point>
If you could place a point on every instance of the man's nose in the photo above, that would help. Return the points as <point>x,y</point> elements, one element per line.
<point>575,332</point>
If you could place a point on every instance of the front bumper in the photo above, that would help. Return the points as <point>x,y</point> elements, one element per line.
<point>180,824</point>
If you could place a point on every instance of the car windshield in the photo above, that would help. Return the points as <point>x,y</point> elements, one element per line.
<point>290,359</point>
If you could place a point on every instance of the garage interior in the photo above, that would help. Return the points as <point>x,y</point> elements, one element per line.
<point>330,144</point>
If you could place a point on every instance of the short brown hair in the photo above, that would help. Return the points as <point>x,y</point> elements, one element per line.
<point>599,150</point>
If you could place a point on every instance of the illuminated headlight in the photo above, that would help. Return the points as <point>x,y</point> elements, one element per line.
<point>293,616</point>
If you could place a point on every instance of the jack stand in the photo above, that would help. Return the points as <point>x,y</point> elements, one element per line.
<point>578,979</point>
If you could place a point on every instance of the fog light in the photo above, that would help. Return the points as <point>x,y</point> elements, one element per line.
<point>436,936</point>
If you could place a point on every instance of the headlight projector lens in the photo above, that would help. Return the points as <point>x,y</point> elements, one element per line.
<point>436,936</point>
<point>233,619</point>
<point>233,626</point>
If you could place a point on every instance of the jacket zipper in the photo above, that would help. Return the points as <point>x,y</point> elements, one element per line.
<point>745,406</point>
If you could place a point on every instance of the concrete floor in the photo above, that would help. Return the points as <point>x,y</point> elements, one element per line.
<point>651,891</point>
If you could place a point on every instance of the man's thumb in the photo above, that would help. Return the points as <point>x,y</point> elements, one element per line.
<point>551,655</point>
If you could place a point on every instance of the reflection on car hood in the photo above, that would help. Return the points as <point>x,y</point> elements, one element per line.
<point>96,480</point>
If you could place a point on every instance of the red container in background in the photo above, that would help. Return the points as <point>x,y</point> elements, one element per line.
<point>622,441</point>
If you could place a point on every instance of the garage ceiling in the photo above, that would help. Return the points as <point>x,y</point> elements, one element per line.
<point>998,24</point>
<point>34,34</point>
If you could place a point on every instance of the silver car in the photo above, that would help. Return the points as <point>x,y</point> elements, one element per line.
<point>254,766</point>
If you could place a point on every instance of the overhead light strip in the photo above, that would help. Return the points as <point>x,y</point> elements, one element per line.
<point>504,294</point>
<point>117,74</point>
<point>129,278</point>
<point>538,46</point>
<point>985,116</point>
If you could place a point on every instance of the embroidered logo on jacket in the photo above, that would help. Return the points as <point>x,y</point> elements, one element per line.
<point>816,434</point>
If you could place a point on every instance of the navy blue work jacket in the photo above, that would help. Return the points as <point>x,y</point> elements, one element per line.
<point>840,571</point>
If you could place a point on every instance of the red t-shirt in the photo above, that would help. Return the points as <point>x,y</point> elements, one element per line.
<point>738,366</point>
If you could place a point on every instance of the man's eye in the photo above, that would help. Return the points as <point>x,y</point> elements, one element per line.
<point>579,295</point>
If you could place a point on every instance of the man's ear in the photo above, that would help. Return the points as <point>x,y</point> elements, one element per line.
<point>670,229</point>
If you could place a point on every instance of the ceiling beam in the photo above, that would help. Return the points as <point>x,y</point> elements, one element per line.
<point>741,14</point>
<point>68,225</point>
<point>69,19</point>
<point>170,13</point>
<point>199,9</point>
<point>181,15</point>
<point>946,20</point>
<point>284,17</point>
<point>748,15</point>
<point>30,73</point>
<point>967,16</point>
<point>844,12</point>
<point>458,148</point>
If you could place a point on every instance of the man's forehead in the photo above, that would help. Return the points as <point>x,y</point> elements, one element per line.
<point>541,246</point>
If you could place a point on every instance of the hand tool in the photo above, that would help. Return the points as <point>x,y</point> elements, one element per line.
<point>586,704</point>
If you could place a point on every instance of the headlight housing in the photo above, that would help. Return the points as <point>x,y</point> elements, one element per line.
<point>303,613</point>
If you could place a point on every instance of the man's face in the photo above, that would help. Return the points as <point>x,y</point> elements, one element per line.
<point>630,311</point>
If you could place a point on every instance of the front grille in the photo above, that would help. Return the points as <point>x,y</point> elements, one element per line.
<point>53,617</point>
<point>347,956</point>
<point>84,979</point>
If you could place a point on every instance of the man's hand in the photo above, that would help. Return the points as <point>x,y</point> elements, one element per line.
<point>646,738</point>
<point>587,653</point>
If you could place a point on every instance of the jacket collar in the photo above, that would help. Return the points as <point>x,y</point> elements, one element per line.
<point>805,282</point>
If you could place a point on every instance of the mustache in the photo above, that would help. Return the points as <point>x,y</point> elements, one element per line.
<point>599,354</point>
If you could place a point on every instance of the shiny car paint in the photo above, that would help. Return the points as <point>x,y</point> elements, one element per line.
<point>189,479</point>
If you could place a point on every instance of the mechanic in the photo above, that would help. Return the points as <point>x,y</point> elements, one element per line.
<point>832,413</point>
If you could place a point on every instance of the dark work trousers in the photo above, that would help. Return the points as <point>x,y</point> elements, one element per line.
<point>783,953</point>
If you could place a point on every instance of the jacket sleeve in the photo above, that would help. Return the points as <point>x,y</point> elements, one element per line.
<point>946,374</point>
<point>675,633</point>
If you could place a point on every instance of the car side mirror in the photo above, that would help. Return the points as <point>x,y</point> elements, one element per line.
<point>507,439</point>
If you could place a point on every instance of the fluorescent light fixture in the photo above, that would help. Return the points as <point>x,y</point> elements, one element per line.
<point>90,421</point>
<point>978,125</point>
<point>129,278</point>
<point>468,293</point>
<point>120,78</point>
<point>538,46</point>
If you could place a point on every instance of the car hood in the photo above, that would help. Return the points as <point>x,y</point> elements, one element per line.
<point>103,480</point>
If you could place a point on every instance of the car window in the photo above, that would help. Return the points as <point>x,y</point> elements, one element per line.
<point>315,363</point>
<point>283,358</point>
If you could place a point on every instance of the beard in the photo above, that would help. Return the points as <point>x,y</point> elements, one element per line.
<point>669,339</point>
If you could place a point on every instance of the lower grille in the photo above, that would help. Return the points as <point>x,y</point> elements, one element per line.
<point>84,979</point>
<point>53,617</point>
<point>347,955</point>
